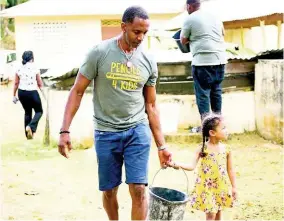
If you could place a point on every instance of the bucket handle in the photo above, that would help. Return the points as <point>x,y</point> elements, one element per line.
<point>163,169</point>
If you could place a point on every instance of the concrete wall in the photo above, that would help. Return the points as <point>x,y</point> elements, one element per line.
<point>238,110</point>
<point>177,111</point>
<point>269,99</point>
<point>176,77</point>
<point>261,109</point>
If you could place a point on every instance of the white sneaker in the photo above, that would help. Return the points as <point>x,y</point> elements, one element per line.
<point>29,132</point>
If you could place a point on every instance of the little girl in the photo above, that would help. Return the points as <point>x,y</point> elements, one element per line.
<point>215,186</point>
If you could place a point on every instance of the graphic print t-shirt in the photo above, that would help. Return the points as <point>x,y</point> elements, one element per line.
<point>118,90</point>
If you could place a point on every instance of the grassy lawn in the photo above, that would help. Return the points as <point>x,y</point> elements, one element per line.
<point>27,166</point>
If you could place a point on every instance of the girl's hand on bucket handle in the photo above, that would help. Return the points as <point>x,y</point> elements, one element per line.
<point>174,165</point>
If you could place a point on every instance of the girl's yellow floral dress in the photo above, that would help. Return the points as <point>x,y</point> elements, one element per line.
<point>212,191</point>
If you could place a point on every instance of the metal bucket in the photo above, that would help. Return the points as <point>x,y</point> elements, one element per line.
<point>183,48</point>
<point>167,204</point>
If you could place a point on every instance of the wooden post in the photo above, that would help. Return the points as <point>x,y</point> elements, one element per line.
<point>242,37</point>
<point>46,138</point>
<point>279,28</point>
<point>262,26</point>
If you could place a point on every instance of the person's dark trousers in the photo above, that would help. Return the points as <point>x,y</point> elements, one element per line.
<point>30,100</point>
<point>207,86</point>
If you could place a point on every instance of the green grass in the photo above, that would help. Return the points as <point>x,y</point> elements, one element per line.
<point>35,150</point>
<point>28,150</point>
<point>258,164</point>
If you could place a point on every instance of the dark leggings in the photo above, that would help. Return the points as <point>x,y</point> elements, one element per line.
<point>30,100</point>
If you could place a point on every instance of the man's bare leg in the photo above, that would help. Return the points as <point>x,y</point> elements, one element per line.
<point>139,201</point>
<point>110,203</point>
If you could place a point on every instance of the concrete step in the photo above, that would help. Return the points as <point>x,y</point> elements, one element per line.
<point>183,137</point>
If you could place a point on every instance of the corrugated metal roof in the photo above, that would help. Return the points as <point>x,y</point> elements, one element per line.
<point>247,54</point>
<point>232,10</point>
<point>90,7</point>
<point>240,54</point>
<point>271,54</point>
<point>62,72</point>
<point>69,74</point>
<point>63,66</point>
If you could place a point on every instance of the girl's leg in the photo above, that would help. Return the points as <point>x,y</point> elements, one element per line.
<point>218,215</point>
<point>210,216</point>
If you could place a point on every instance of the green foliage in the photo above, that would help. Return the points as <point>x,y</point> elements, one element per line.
<point>8,42</point>
<point>3,2</point>
<point>22,1</point>
<point>11,24</point>
<point>2,28</point>
<point>11,3</point>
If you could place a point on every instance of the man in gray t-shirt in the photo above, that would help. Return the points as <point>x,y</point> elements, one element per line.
<point>205,34</point>
<point>124,99</point>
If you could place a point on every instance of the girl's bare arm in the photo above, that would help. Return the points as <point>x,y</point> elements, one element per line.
<point>232,175</point>
<point>230,169</point>
<point>189,167</point>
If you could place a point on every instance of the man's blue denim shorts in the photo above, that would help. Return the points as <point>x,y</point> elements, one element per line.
<point>130,147</point>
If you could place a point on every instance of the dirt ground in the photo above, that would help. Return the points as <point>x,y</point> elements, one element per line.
<point>38,184</point>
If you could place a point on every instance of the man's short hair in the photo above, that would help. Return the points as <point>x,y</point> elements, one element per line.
<point>132,12</point>
<point>193,2</point>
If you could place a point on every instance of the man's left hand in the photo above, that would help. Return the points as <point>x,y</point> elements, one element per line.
<point>165,157</point>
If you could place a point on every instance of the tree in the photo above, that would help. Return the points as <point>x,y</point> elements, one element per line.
<point>3,2</point>
<point>7,26</point>
<point>2,6</point>
<point>11,3</point>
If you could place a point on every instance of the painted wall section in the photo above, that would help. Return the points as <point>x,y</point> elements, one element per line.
<point>269,77</point>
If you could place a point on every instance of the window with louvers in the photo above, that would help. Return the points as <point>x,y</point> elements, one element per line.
<point>50,38</point>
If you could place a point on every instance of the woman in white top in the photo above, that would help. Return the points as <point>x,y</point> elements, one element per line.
<point>27,81</point>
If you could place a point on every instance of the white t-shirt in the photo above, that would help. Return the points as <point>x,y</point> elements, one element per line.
<point>27,74</point>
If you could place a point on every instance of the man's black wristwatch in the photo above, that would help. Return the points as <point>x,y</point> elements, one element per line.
<point>64,132</point>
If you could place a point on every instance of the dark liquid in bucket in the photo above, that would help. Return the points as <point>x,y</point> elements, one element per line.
<point>169,194</point>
